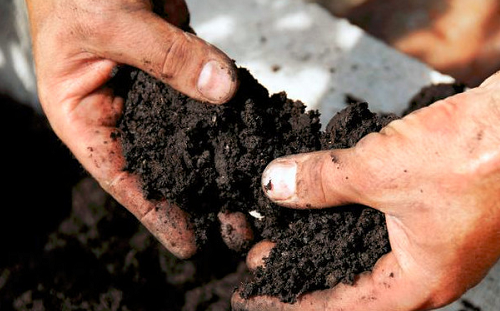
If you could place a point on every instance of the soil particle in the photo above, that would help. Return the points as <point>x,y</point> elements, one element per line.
<point>269,186</point>
<point>469,306</point>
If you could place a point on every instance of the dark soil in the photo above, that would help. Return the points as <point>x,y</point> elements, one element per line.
<point>67,245</point>
<point>210,158</point>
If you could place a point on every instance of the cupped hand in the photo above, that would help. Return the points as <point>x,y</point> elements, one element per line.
<point>77,44</point>
<point>436,176</point>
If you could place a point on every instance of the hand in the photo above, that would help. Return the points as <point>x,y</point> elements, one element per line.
<point>436,176</point>
<point>76,46</point>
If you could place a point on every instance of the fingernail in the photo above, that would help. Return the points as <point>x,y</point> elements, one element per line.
<point>215,81</point>
<point>278,180</point>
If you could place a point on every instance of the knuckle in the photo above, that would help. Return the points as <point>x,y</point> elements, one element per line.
<point>368,151</point>
<point>375,168</point>
<point>176,57</point>
<point>367,143</point>
<point>312,179</point>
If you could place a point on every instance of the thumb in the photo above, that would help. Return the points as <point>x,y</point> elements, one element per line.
<point>182,60</point>
<point>320,179</point>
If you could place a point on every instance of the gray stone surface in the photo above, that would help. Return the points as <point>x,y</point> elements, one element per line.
<point>320,58</point>
<point>17,74</point>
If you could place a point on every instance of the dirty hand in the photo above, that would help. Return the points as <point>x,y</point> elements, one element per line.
<point>76,46</point>
<point>436,176</point>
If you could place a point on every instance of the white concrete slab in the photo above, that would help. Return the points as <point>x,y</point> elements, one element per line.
<point>319,58</point>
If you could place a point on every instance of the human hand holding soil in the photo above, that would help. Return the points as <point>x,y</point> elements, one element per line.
<point>77,44</point>
<point>435,174</point>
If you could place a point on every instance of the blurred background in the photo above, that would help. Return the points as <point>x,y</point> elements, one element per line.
<point>456,37</point>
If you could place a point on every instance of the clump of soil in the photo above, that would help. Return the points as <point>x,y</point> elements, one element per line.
<point>317,249</point>
<point>432,93</point>
<point>209,158</point>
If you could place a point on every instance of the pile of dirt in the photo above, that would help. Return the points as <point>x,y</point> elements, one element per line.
<point>209,159</point>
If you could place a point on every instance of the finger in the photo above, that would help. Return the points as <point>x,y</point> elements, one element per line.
<point>257,255</point>
<point>187,63</point>
<point>314,180</point>
<point>373,173</point>
<point>167,222</point>
<point>386,288</point>
<point>236,232</point>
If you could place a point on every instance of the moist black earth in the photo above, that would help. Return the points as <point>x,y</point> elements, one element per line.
<point>69,246</point>
<point>208,159</point>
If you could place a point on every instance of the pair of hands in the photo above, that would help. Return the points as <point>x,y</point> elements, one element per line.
<point>435,173</point>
